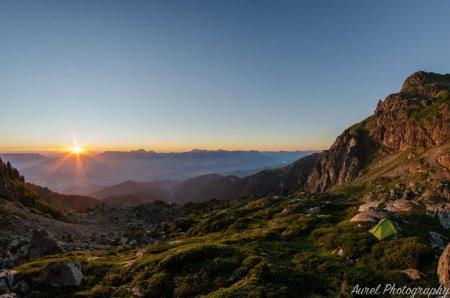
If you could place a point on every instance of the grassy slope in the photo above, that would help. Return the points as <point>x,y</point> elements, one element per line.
<point>258,248</point>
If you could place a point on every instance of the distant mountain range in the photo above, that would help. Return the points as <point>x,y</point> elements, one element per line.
<point>68,175</point>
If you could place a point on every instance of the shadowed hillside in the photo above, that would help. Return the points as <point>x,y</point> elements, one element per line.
<point>14,189</point>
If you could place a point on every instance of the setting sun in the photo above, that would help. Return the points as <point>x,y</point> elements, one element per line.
<point>76,150</point>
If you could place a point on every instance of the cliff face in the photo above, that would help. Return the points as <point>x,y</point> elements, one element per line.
<point>415,119</point>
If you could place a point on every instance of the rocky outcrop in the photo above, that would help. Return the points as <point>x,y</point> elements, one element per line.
<point>42,244</point>
<point>61,274</point>
<point>444,267</point>
<point>426,84</point>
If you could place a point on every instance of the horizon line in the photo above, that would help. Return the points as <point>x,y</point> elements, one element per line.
<point>90,150</point>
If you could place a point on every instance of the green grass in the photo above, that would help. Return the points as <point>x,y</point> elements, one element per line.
<point>257,248</point>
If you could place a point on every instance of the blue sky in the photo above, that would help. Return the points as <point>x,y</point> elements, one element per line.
<point>178,75</point>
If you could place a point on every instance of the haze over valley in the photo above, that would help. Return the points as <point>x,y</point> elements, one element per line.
<point>85,174</point>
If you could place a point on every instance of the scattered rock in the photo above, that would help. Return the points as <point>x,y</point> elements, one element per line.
<point>61,274</point>
<point>413,274</point>
<point>42,244</point>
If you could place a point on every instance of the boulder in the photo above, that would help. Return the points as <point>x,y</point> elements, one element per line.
<point>314,210</point>
<point>444,267</point>
<point>369,205</point>
<point>363,217</point>
<point>373,215</point>
<point>438,241</point>
<point>42,244</point>
<point>399,205</point>
<point>61,274</point>
<point>413,274</point>
<point>443,213</point>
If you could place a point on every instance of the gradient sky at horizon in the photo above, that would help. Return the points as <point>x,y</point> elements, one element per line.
<point>178,75</point>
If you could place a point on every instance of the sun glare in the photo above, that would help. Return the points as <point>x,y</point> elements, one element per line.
<point>76,150</point>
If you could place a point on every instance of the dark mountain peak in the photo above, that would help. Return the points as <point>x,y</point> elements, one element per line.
<point>423,83</point>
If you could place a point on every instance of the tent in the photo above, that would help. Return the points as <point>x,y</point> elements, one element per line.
<point>385,229</point>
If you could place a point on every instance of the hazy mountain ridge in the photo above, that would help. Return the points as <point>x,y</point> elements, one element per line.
<point>109,168</point>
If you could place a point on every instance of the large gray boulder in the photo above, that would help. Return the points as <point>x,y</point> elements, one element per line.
<point>61,274</point>
<point>42,244</point>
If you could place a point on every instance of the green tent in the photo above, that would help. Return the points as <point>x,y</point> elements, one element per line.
<point>385,229</point>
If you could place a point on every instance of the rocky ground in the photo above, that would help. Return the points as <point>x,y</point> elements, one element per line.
<point>101,228</point>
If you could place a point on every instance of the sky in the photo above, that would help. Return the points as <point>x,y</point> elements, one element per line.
<point>179,75</point>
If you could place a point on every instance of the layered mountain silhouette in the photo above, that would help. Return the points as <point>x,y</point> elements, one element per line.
<point>88,173</point>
